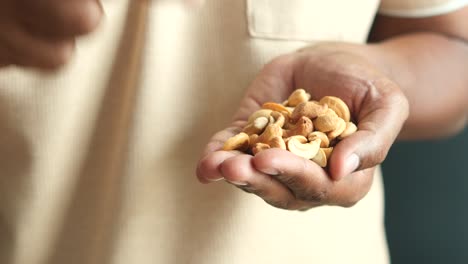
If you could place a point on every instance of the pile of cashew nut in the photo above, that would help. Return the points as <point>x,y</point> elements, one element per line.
<point>307,128</point>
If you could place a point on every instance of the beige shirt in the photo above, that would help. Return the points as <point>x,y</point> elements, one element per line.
<point>97,167</point>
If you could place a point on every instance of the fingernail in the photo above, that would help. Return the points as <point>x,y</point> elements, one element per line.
<point>351,164</point>
<point>238,183</point>
<point>270,171</point>
<point>216,179</point>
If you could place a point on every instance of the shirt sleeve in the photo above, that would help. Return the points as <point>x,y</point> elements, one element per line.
<point>419,8</point>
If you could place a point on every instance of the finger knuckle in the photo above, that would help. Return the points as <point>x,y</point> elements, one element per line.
<point>379,156</point>
<point>402,102</point>
<point>292,182</point>
<point>314,196</point>
<point>282,204</point>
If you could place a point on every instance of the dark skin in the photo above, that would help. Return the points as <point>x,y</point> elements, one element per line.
<point>411,83</point>
<point>442,63</point>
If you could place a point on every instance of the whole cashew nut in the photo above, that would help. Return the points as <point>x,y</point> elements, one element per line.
<point>337,105</point>
<point>240,142</point>
<point>308,109</point>
<point>327,122</point>
<point>297,97</point>
<point>305,150</point>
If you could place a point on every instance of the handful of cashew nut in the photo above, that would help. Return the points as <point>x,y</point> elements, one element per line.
<point>307,128</point>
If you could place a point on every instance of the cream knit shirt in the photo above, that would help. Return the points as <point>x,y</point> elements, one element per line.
<point>97,168</point>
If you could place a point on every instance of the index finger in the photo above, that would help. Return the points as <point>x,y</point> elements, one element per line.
<point>208,168</point>
<point>311,183</point>
<point>217,141</point>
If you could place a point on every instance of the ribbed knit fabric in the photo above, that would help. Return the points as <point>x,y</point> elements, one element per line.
<point>96,168</point>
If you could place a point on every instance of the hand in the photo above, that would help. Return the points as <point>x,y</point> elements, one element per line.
<point>287,181</point>
<point>41,33</point>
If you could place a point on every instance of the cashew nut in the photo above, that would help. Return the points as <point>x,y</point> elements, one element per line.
<point>350,129</point>
<point>327,122</point>
<point>328,152</point>
<point>297,97</point>
<point>301,139</point>
<point>305,150</point>
<point>340,127</point>
<point>325,142</point>
<point>270,132</point>
<point>308,109</point>
<point>277,142</point>
<point>290,109</point>
<point>338,105</point>
<point>253,140</point>
<point>259,147</point>
<point>305,127</point>
<point>302,127</point>
<point>277,118</point>
<point>257,126</point>
<point>238,142</point>
<point>276,107</point>
<point>262,112</point>
<point>320,158</point>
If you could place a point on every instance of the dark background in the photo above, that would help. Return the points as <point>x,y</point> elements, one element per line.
<point>426,187</point>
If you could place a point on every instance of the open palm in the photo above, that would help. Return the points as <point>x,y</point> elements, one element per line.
<point>288,181</point>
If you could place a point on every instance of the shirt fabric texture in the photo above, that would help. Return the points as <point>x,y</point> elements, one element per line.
<point>94,173</point>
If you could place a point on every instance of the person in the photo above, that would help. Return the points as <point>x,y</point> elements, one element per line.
<point>103,122</point>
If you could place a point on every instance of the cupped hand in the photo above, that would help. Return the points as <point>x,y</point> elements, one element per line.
<point>41,33</point>
<point>288,181</point>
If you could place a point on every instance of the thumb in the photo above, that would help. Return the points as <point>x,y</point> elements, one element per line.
<point>379,123</point>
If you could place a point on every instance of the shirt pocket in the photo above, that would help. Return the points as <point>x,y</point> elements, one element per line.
<point>311,20</point>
